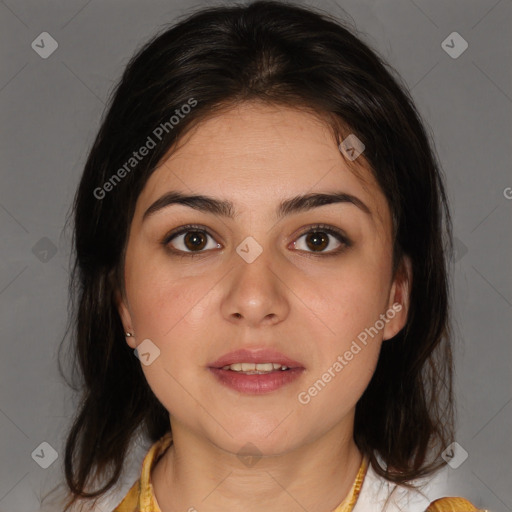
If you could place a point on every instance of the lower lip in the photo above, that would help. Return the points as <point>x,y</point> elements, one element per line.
<point>257,383</point>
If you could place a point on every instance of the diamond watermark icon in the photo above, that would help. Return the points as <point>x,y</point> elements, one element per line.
<point>249,455</point>
<point>146,352</point>
<point>45,455</point>
<point>454,45</point>
<point>249,249</point>
<point>454,455</point>
<point>351,147</point>
<point>459,249</point>
<point>44,45</point>
<point>44,249</point>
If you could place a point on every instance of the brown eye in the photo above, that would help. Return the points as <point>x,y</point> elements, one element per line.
<point>189,240</point>
<point>194,240</point>
<point>317,241</point>
<point>318,238</point>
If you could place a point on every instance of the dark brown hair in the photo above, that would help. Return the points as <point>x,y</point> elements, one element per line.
<point>285,55</point>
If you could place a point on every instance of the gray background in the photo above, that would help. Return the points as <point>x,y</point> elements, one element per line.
<point>50,111</point>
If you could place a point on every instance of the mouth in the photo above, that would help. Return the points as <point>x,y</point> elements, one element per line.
<point>257,371</point>
<point>255,368</point>
<point>255,361</point>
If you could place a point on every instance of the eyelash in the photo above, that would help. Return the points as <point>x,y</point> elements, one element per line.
<point>323,228</point>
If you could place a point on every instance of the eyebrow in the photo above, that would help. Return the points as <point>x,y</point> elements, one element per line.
<point>225,208</point>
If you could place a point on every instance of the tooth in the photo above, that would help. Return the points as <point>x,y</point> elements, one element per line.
<point>255,367</point>
<point>265,367</point>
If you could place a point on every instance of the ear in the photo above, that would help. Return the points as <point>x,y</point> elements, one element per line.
<point>398,303</point>
<point>126,319</point>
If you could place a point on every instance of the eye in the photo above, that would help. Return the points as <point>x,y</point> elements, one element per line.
<point>189,239</point>
<point>192,240</point>
<point>317,239</point>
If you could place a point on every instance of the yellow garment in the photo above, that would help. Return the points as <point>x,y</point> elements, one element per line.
<point>141,498</point>
<point>452,505</point>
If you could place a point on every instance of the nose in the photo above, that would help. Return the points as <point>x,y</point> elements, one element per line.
<point>255,294</point>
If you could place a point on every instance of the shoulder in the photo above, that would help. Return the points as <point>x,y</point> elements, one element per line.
<point>451,505</point>
<point>141,496</point>
<point>377,493</point>
<point>130,502</point>
<point>390,497</point>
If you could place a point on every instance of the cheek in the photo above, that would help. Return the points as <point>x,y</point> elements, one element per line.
<point>161,299</point>
<point>349,300</point>
<point>336,392</point>
<point>166,311</point>
<point>349,304</point>
<point>345,369</point>
<point>174,314</point>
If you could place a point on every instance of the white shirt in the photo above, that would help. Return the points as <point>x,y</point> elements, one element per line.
<point>379,495</point>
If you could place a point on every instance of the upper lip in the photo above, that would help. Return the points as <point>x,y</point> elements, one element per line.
<point>264,355</point>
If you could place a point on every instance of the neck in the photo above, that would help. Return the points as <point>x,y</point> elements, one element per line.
<point>194,474</point>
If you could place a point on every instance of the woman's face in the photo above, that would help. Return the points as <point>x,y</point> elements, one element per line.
<point>259,279</point>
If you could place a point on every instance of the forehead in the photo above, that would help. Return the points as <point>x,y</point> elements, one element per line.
<point>256,155</point>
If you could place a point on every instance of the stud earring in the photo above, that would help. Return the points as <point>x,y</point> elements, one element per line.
<point>128,334</point>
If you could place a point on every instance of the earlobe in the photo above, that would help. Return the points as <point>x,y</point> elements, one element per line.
<point>126,319</point>
<point>398,304</point>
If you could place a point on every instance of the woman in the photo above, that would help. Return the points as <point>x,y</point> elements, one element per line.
<point>261,236</point>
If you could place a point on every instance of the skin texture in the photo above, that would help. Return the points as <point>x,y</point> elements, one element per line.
<point>305,304</point>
